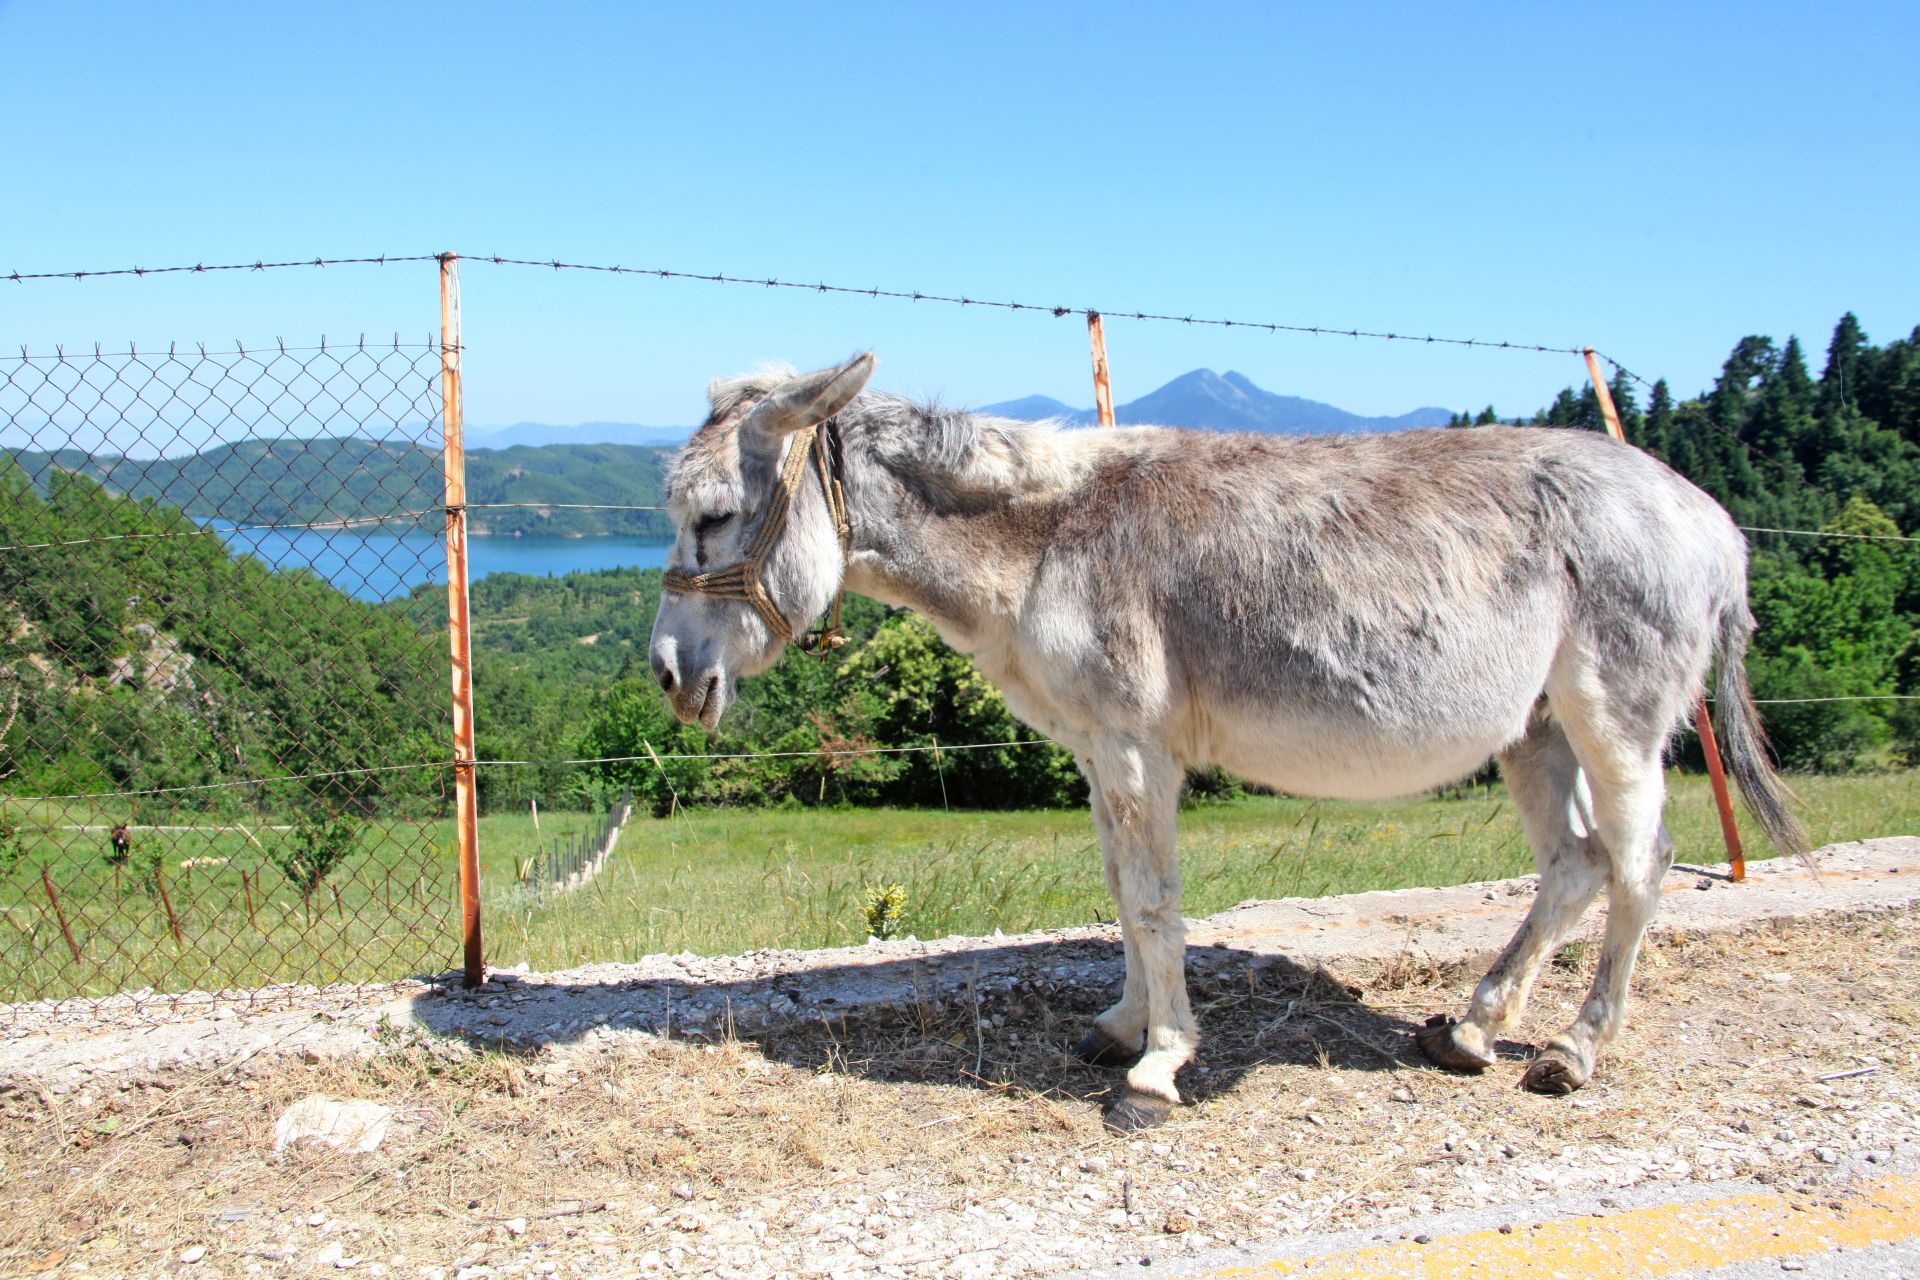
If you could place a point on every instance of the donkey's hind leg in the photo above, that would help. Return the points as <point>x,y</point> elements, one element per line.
<point>1616,729</point>
<point>1118,1034</point>
<point>1543,777</point>
<point>1628,792</point>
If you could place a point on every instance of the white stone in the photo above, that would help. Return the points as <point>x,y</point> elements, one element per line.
<point>358,1126</point>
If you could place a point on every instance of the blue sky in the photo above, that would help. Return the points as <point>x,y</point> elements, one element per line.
<point>1655,179</point>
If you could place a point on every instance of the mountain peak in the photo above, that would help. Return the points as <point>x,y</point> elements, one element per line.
<point>1223,402</point>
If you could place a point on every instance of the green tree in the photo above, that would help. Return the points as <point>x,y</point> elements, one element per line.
<point>322,838</point>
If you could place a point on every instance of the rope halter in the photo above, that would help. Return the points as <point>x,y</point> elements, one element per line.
<point>742,580</point>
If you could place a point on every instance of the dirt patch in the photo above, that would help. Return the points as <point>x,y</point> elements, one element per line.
<point>952,1136</point>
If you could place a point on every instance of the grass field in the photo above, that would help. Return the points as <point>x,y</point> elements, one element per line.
<point>731,880</point>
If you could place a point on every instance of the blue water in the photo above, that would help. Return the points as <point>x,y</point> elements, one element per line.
<point>380,566</point>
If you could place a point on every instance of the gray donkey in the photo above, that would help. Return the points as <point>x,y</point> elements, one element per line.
<point>1357,616</point>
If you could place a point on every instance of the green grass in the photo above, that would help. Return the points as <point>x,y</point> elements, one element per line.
<point>724,881</point>
<point>385,911</point>
<point>728,881</point>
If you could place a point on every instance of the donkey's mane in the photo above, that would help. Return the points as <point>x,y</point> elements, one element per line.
<point>972,455</point>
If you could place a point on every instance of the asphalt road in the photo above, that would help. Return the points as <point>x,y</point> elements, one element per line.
<point>1862,1224</point>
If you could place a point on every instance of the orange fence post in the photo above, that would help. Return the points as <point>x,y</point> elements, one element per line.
<point>459,637</point>
<point>1729,831</point>
<point>1102,389</point>
<point>47,879</point>
<point>1702,721</point>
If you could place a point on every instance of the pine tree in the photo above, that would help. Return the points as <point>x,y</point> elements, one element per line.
<point>1731,400</point>
<point>1781,424</point>
<point>1625,404</point>
<point>1656,429</point>
<point>1846,353</point>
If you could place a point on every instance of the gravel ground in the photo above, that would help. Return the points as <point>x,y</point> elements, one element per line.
<point>926,1123</point>
<point>765,991</point>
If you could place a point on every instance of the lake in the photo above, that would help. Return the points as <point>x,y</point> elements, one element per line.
<point>381,566</point>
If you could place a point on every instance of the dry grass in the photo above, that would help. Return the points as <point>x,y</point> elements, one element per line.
<point>734,1153</point>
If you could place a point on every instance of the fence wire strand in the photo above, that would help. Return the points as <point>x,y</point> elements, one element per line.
<point>935,296</point>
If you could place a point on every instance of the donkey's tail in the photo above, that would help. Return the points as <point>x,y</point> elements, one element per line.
<point>1744,742</point>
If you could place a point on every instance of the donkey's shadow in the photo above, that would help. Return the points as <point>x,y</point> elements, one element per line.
<point>997,1017</point>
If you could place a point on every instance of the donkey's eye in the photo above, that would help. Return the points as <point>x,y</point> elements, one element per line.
<point>708,524</point>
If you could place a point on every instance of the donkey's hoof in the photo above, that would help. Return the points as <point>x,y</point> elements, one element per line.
<point>1098,1049</point>
<point>1133,1111</point>
<point>1442,1049</point>
<point>1554,1076</point>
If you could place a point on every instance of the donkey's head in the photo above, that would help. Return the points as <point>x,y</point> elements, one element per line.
<point>756,547</point>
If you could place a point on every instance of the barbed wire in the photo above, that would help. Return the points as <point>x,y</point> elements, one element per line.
<point>967,300</point>
<point>487,764</point>
<point>935,748</point>
<point>656,757</point>
<point>1830,533</point>
<point>1850,697</point>
<point>212,530</point>
<point>561,506</point>
<point>382,260</point>
<point>875,292</point>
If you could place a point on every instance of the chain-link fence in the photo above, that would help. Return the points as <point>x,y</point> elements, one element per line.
<point>224,757</point>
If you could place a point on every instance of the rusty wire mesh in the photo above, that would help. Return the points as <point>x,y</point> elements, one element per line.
<point>224,746</point>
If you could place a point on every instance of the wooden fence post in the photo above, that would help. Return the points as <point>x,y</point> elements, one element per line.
<point>1102,388</point>
<point>454,463</point>
<point>1702,721</point>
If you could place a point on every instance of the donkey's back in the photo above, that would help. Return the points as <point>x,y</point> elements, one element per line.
<point>1372,615</point>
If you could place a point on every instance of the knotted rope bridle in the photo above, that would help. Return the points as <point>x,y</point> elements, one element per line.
<point>742,579</point>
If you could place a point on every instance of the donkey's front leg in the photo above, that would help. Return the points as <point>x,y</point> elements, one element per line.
<point>1118,1034</point>
<point>1140,785</point>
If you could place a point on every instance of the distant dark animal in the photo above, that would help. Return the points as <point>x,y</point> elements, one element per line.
<point>121,837</point>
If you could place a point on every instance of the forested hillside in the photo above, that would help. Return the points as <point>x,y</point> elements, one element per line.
<point>145,656</point>
<point>345,477</point>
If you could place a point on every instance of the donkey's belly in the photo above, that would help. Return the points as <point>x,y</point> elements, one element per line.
<point>1302,770</point>
<point>1310,755</point>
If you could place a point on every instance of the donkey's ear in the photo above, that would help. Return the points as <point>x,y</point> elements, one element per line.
<point>811,398</point>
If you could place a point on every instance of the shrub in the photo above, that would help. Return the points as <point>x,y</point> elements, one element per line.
<point>321,839</point>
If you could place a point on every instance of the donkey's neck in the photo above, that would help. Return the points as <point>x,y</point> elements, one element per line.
<point>950,512</point>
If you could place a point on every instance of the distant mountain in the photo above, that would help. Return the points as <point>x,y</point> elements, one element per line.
<point>541,433</point>
<point>1229,402</point>
<point>1037,409</point>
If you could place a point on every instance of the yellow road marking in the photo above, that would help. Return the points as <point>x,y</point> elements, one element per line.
<point>1656,1241</point>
